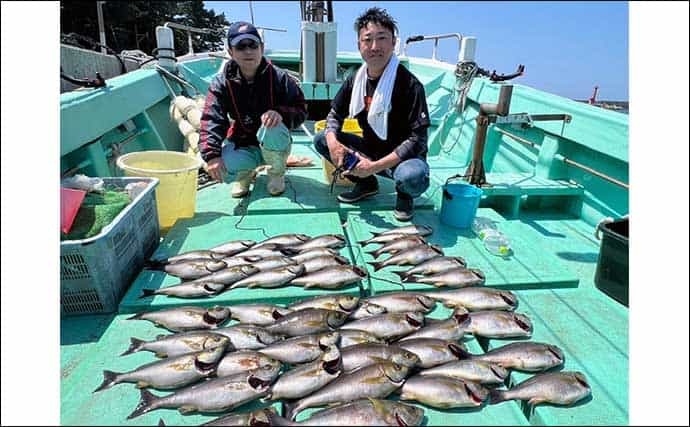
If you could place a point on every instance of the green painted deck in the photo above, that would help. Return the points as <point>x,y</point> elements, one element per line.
<point>548,219</point>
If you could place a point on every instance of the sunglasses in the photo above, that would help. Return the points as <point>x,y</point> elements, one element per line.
<point>251,44</point>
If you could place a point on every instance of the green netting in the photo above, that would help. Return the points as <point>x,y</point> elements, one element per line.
<point>96,211</point>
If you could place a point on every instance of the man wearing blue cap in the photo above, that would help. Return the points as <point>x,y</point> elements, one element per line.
<point>264,103</point>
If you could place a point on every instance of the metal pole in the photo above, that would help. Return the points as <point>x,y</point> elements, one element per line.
<point>101,27</point>
<point>251,11</point>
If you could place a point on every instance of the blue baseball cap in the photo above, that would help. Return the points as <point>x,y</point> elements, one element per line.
<point>241,30</point>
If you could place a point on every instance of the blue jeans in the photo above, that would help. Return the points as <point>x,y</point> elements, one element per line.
<point>411,176</point>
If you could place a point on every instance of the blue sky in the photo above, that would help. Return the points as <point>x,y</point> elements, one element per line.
<point>567,47</point>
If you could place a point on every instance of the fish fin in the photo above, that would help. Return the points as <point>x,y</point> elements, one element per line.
<point>292,409</point>
<point>288,251</point>
<point>456,350</point>
<point>161,355</point>
<point>462,354</point>
<point>109,380</point>
<point>147,293</point>
<point>187,409</point>
<point>134,346</point>
<point>145,405</point>
<point>496,396</point>
<point>308,285</point>
<point>409,279</point>
<point>141,384</point>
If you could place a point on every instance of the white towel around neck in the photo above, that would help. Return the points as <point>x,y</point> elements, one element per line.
<point>380,102</point>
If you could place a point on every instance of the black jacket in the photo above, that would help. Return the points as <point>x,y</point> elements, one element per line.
<point>231,95</point>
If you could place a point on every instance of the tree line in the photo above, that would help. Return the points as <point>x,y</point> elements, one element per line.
<point>132,25</point>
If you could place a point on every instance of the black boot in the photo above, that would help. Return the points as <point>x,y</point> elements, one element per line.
<point>366,187</point>
<point>404,207</point>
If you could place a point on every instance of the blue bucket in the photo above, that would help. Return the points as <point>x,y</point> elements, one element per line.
<point>459,204</point>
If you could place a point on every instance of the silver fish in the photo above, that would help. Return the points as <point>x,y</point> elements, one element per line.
<point>185,256</point>
<point>269,263</point>
<point>332,277</point>
<point>422,230</point>
<point>245,360</point>
<point>215,395</point>
<point>307,321</point>
<point>451,329</point>
<point>302,349</point>
<point>313,253</point>
<point>457,278</point>
<point>291,239</point>
<point>170,373</point>
<point>186,290</point>
<point>476,298</point>
<point>332,241</point>
<point>366,309</point>
<point>377,381</point>
<point>305,379</point>
<point>560,388</point>
<point>350,337</point>
<point>396,302</point>
<point>319,263</point>
<point>186,318</point>
<point>233,247</point>
<point>271,278</point>
<point>361,355</point>
<point>390,325</point>
<point>499,324</point>
<point>434,265</point>
<point>471,370</point>
<point>257,417</point>
<point>433,351</point>
<point>413,256</point>
<point>383,239</point>
<point>228,276</point>
<point>248,337</point>
<point>170,345</point>
<point>395,246</point>
<point>263,251</point>
<point>443,392</point>
<point>258,314</point>
<point>191,269</point>
<point>363,412</point>
<point>339,302</point>
<point>528,356</point>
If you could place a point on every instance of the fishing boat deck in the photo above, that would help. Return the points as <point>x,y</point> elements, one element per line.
<point>552,273</point>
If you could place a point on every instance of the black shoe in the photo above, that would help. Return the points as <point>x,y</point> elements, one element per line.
<point>404,207</point>
<point>363,189</point>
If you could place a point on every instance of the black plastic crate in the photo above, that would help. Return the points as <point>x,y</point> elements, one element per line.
<point>611,276</point>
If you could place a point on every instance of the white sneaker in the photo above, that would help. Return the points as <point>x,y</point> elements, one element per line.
<point>240,187</point>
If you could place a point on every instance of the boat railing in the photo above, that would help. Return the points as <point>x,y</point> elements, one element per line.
<point>435,38</point>
<point>189,31</point>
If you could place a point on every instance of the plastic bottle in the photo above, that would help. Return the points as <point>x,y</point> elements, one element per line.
<point>480,226</point>
<point>497,243</point>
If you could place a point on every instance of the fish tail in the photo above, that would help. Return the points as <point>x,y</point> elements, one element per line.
<point>497,396</point>
<point>145,405</point>
<point>409,279</point>
<point>363,242</point>
<point>147,293</point>
<point>155,264</point>
<point>137,316</point>
<point>479,274</point>
<point>377,265</point>
<point>288,251</point>
<point>161,423</point>
<point>109,380</point>
<point>401,274</point>
<point>134,346</point>
<point>372,253</point>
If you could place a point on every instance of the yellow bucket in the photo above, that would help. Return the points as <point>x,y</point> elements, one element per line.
<point>350,126</point>
<point>177,172</point>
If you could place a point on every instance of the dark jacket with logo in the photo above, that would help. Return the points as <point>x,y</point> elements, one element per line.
<point>231,95</point>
